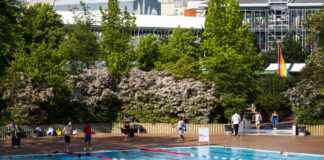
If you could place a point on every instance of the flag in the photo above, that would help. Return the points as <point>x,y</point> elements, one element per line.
<point>282,69</point>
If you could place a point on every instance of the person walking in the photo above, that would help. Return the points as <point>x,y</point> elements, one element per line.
<point>127,128</point>
<point>67,131</point>
<point>274,119</point>
<point>87,137</point>
<point>180,129</point>
<point>258,119</point>
<point>236,119</point>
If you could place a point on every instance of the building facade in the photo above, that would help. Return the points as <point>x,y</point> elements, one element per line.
<point>138,7</point>
<point>271,20</point>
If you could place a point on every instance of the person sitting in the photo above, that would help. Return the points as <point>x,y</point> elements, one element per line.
<point>38,131</point>
<point>13,129</point>
<point>50,131</point>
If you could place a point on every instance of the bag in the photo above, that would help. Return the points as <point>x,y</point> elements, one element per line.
<point>131,134</point>
<point>50,131</point>
<point>184,127</point>
<point>58,132</point>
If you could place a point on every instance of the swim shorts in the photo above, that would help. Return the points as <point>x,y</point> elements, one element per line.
<point>87,138</point>
<point>275,122</point>
<point>67,139</point>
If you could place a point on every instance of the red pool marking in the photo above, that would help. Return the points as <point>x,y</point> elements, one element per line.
<point>86,155</point>
<point>159,151</point>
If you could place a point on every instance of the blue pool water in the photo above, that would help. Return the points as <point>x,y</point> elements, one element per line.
<point>244,154</point>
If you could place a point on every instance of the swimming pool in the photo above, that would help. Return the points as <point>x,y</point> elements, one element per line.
<point>220,152</point>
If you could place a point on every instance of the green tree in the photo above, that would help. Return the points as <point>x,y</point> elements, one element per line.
<point>80,48</point>
<point>37,58</point>
<point>292,50</point>
<point>39,40</point>
<point>315,24</point>
<point>307,96</point>
<point>147,52</point>
<point>9,16</point>
<point>270,56</point>
<point>231,58</point>
<point>117,28</point>
<point>271,93</point>
<point>181,54</point>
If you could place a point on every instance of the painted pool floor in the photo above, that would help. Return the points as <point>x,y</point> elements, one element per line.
<point>47,145</point>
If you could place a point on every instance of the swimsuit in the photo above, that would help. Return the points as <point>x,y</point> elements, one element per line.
<point>67,134</point>
<point>275,121</point>
<point>127,127</point>
<point>258,120</point>
<point>12,128</point>
<point>180,129</point>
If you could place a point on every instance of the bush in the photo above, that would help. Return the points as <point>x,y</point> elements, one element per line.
<point>94,89</point>
<point>25,104</point>
<point>157,97</point>
<point>271,97</point>
<point>307,96</point>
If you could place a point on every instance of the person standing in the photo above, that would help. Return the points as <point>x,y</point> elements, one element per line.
<point>258,119</point>
<point>87,137</point>
<point>13,129</point>
<point>127,128</point>
<point>274,119</point>
<point>236,119</point>
<point>67,131</point>
<point>180,129</point>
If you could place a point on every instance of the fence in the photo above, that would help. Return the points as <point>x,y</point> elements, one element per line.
<point>166,128</point>
<point>158,128</point>
<point>315,130</point>
<point>96,127</point>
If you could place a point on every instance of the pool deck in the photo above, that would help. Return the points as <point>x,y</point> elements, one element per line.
<point>47,145</point>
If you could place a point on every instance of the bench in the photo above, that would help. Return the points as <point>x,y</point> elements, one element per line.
<point>135,128</point>
<point>21,133</point>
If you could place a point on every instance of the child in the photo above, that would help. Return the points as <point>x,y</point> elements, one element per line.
<point>87,137</point>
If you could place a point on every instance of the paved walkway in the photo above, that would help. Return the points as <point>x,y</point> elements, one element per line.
<point>47,145</point>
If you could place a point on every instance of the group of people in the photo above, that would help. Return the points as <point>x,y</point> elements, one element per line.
<point>67,132</point>
<point>236,119</point>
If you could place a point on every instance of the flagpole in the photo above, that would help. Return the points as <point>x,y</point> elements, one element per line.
<point>278,45</point>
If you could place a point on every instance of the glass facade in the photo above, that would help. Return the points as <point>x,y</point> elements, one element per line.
<point>272,23</point>
<point>138,7</point>
<point>269,23</point>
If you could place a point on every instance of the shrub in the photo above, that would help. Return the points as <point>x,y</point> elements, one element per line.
<point>157,97</point>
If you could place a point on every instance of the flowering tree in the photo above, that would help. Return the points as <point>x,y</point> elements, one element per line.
<point>308,95</point>
<point>94,90</point>
<point>157,97</point>
<point>25,103</point>
<point>143,96</point>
